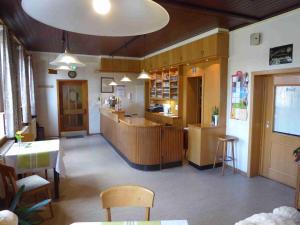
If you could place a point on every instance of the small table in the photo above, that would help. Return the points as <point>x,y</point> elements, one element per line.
<point>36,156</point>
<point>163,222</point>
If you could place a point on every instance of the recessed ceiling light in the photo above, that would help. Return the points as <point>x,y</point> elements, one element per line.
<point>102,6</point>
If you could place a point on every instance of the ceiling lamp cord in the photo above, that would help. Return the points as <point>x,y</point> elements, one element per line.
<point>144,75</point>
<point>125,78</point>
<point>66,60</point>
<point>113,83</point>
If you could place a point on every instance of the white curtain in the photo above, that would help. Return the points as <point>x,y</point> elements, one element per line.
<point>31,87</point>
<point>23,86</point>
<point>10,106</point>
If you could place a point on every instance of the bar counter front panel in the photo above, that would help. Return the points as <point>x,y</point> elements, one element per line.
<point>145,145</point>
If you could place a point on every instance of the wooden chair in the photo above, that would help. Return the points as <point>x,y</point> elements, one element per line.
<point>33,185</point>
<point>127,196</point>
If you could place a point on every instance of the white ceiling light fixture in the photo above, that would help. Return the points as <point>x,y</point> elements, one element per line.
<point>67,59</point>
<point>65,68</point>
<point>100,17</point>
<point>102,6</point>
<point>125,79</point>
<point>113,83</point>
<point>144,75</point>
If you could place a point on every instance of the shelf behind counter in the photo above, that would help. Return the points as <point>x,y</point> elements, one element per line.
<point>143,144</point>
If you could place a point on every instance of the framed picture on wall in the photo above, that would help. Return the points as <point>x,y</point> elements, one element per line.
<point>105,87</point>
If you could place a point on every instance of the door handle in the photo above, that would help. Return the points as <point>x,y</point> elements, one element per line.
<point>268,124</point>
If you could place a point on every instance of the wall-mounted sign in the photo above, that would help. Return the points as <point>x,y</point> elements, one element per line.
<point>105,87</point>
<point>281,55</point>
<point>239,96</point>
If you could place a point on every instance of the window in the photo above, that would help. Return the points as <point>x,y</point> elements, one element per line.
<point>2,128</point>
<point>287,104</point>
<point>23,85</point>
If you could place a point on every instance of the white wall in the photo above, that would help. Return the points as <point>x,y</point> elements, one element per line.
<point>277,31</point>
<point>47,97</point>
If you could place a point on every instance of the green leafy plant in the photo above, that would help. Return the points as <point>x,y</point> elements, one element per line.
<point>296,153</point>
<point>215,111</point>
<point>25,214</point>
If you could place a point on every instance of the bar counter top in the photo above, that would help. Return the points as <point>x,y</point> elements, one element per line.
<point>138,122</point>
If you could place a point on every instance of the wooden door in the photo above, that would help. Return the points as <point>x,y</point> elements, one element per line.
<point>280,136</point>
<point>73,105</point>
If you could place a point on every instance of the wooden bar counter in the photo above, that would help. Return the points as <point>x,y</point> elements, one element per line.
<point>145,145</point>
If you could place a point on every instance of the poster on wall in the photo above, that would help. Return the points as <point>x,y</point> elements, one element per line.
<point>239,96</point>
<point>120,90</point>
<point>281,55</point>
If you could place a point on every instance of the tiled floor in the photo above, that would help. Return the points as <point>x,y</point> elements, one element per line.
<point>202,197</point>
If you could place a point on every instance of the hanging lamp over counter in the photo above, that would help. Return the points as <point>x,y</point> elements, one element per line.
<point>144,75</point>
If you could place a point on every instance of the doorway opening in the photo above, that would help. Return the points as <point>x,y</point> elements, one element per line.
<point>273,132</point>
<point>72,99</point>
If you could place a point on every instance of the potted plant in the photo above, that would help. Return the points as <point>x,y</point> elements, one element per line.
<point>26,214</point>
<point>215,116</point>
<point>297,154</point>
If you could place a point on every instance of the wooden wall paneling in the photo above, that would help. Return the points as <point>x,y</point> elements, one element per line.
<point>148,145</point>
<point>209,143</point>
<point>175,56</point>
<point>223,45</point>
<point>211,91</point>
<point>210,46</point>
<point>120,65</point>
<point>223,90</point>
<point>172,144</point>
<point>194,144</point>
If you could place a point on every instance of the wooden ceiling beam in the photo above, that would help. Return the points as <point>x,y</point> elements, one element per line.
<point>205,10</point>
<point>125,45</point>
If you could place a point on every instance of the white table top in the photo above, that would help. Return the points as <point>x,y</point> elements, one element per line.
<point>163,222</point>
<point>33,147</point>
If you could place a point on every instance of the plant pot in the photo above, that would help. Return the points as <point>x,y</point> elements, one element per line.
<point>215,120</point>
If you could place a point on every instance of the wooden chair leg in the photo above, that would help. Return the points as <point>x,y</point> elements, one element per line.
<point>46,174</point>
<point>233,158</point>
<point>147,214</point>
<point>224,155</point>
<point>108,215</point>
<point>216,155</point>
<point>50,203</point>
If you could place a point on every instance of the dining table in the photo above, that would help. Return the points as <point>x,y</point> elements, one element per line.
<point>162,222</point>
<point>36,156</point>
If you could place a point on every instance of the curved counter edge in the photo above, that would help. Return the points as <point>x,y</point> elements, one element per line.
<point>144,167</point>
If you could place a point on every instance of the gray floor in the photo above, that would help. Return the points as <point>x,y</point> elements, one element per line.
<point>201,197</point>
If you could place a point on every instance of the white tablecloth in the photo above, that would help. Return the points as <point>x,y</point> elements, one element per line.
<point>27,148</point>
<point>163,222</point>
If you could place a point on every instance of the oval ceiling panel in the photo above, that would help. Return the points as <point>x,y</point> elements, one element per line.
<point>125,18</point>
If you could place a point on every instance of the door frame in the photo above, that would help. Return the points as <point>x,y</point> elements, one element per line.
<point>256,111</point>
<point>85,82</point>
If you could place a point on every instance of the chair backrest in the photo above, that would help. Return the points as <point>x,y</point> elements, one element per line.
<point>27,137</point>
<point>127,196</point>
<point>9,178</point>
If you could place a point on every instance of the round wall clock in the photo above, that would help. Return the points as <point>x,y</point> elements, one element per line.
<point>72,74</point>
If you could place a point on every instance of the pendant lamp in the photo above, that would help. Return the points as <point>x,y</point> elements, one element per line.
<point>125,78</point>
<point>144,75</point>
<point>113,83</point>
<point>66,58</point>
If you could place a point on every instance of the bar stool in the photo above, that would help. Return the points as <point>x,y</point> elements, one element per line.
<point>225,158</point>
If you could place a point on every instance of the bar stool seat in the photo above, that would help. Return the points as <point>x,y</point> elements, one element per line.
<point>225,139</point>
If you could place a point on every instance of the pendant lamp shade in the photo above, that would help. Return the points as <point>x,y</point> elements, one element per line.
<point>113,83</point>
<point>67,68</point>
<point>67,59</point>
<point>125,79</point>
<point>144,75</point>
